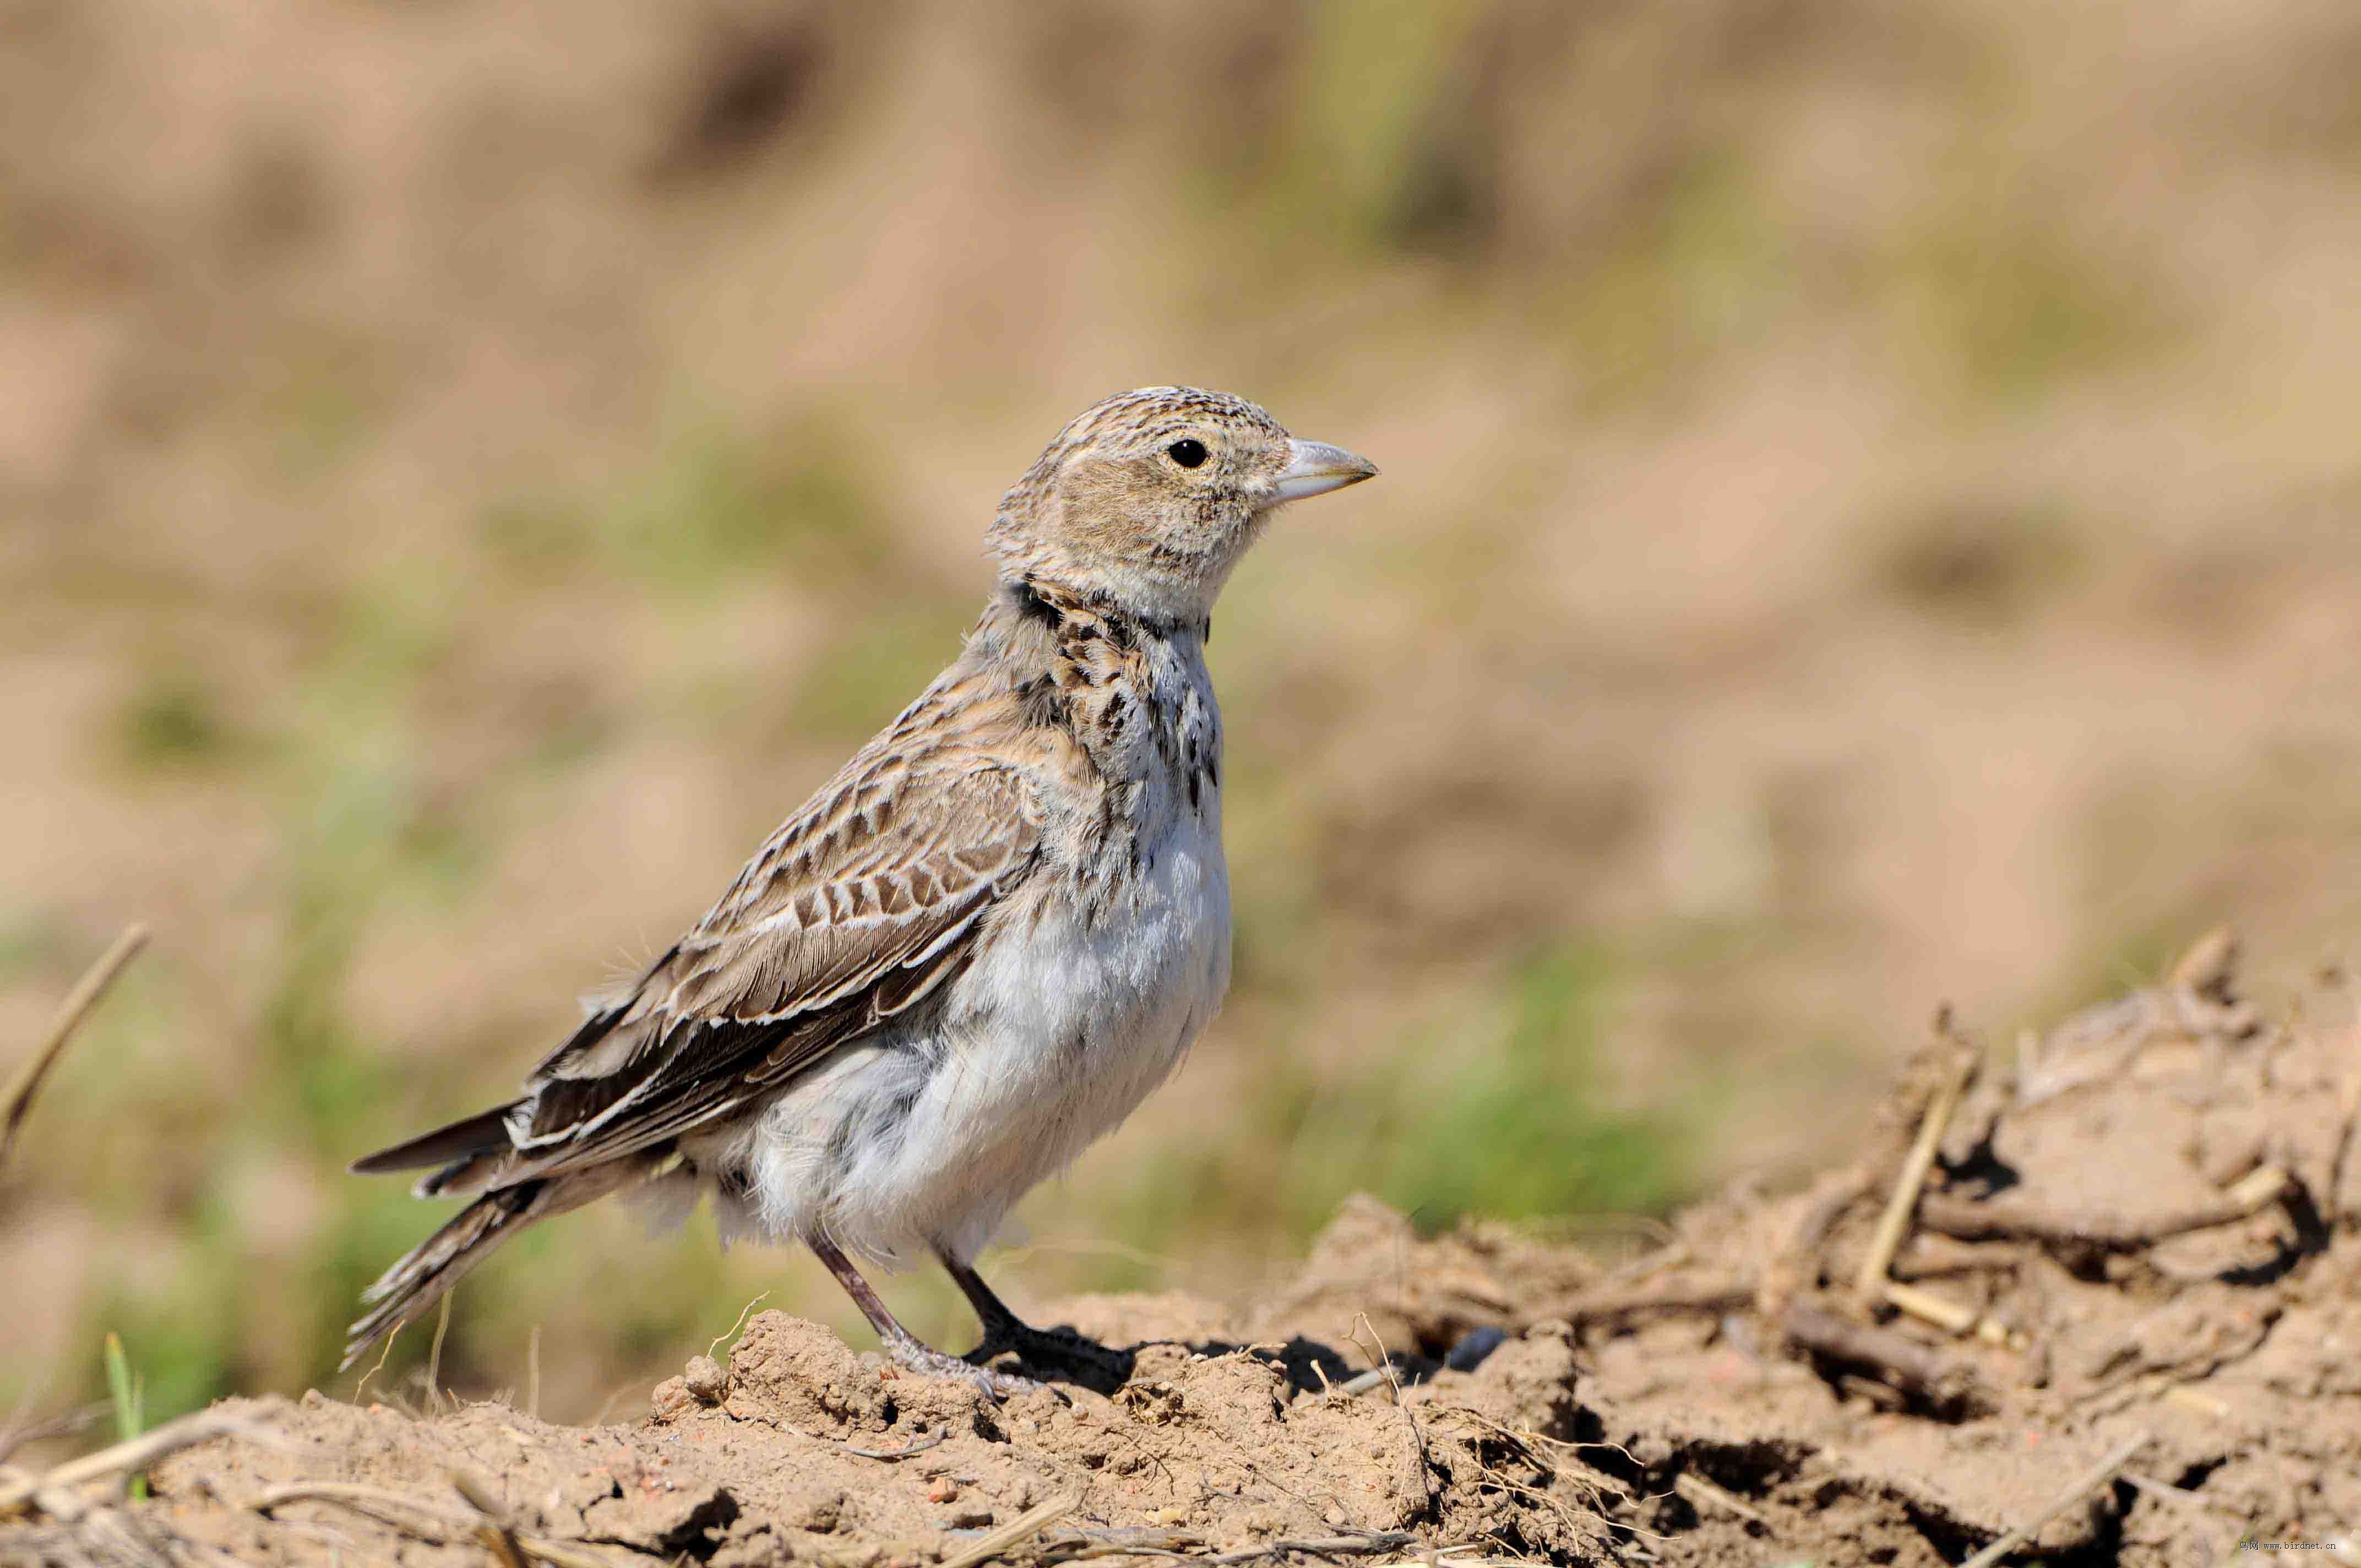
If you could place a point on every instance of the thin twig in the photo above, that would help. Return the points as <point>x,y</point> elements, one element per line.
<point>743,1313</point>
<point>1950,1316</point>
<point>1417,1434</point>
<point>20,1434</point>
<point>1685,1295</point>
<point>1699,1492</point>
<point>499,1537</point>
<point>2180,1496</point>
<point>16,1101</point>
<point>382,1356</point>
<point>1904,1363</point>
<point>1886,1240</point>
<point>386,1507</point>
<point>533,1373</point>
<point>907,1452</point>
<point>441,1527</point>
<point>55,1501</point>
<point>1324,1546</point>
<point>1328,1545</point>
<point>1022,1528</point>
<point>2084,1484</point>
<point>1930,1257</point>
<point>1927,1306</point>
<point>1970,1221</point>
<point>1363,1383</point>
<point>21,1419</point>
<point>140,1452</point>
<point>1082,1545</point>
<point>434,1354</point>
<point>1166,1546</point>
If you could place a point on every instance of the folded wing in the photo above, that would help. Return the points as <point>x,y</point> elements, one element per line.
<point>863,906</point>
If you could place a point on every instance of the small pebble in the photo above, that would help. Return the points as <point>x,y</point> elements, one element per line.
<point>944,1490</point>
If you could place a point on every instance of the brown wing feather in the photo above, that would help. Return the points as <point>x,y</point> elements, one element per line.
<point>863,904</point>
<point>869,900</point>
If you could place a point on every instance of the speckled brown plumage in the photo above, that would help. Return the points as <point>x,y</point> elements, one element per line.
<point>974,948</point>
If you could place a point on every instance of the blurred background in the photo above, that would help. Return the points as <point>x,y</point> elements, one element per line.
<point>1872,514</point>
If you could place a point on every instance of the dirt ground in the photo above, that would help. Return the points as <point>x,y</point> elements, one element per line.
<point>2142,1226</point>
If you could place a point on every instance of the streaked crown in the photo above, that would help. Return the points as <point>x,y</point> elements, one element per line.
<point>1148,499</point>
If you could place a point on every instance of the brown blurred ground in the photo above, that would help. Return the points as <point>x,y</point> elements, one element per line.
<point>1870,514</point>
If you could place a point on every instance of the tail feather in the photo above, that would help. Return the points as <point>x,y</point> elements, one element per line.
<point>482,1133</point>
<point>421,1278</point>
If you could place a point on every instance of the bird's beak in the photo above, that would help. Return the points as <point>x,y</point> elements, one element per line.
<point>1314,469</point>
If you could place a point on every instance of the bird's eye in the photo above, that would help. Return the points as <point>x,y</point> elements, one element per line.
<point>1189,452</point>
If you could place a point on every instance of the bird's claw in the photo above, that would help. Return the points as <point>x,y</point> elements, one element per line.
<point>928,1361</point>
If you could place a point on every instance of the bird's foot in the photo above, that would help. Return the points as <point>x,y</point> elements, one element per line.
<point>911,1355</point>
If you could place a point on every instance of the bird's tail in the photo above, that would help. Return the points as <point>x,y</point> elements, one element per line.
<point>419,1278</point>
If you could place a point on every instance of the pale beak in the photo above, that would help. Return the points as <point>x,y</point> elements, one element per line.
<point>1314,469</point>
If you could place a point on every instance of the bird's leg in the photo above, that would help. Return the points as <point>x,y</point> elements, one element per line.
<point>907,1349</point>
<point>1003,1329</point>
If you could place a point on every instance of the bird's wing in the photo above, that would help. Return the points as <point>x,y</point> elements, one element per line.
<point>868,900</point>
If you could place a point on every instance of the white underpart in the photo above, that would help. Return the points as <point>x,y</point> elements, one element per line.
<point>924,1140</point>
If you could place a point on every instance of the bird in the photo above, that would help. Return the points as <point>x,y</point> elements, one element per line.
<point>971,954</point>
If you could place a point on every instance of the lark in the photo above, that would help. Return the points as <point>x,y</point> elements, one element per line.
<point>972,953</point>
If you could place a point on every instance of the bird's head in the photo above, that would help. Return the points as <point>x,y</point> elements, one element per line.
<point>1148,499</point>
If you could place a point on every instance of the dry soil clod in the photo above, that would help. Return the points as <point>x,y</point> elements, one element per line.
<point>2024,1220</point>
<point>2084,1486</point>
<point>2239,1364</point>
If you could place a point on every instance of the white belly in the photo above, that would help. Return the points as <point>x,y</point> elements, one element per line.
<point>1049,1039</point>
